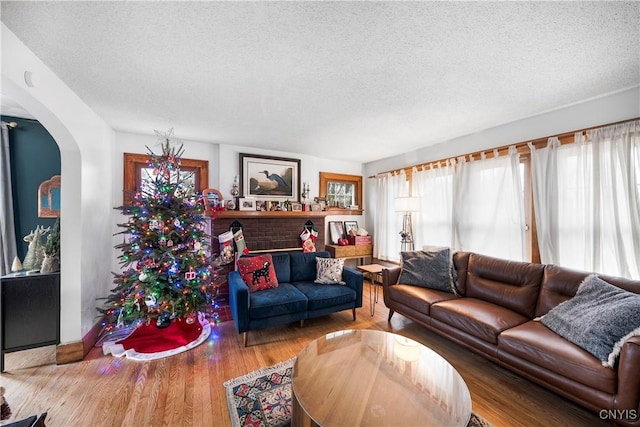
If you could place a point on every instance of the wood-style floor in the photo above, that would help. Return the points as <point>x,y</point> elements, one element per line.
<point>186,390</point>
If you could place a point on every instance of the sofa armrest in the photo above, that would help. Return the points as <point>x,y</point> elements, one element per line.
<point>628,396</point>
<point>355,280</point>
<point>239,301</point>
<point>390,276</point>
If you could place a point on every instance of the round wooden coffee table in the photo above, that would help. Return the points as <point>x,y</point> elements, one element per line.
<point>366,377</point>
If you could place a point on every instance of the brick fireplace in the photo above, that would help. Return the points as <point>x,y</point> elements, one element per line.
<point>263,231</point>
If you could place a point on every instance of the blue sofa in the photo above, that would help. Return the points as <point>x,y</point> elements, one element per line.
<point>296,298</point>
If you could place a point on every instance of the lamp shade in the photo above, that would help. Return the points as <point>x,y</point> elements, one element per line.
<point>407,204</point>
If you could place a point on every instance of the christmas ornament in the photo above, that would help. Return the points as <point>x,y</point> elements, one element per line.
<point>142,277</point>
<point>197,246</point>
<point>190,275</point>
<point>150,301</point>
<point>176,222</point>
<point>162,241</point>
<point>169,243</point>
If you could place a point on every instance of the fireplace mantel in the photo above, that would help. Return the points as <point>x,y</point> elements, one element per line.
<point>271,214</point>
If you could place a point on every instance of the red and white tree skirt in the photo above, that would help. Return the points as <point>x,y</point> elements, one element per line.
<point>148,342</point>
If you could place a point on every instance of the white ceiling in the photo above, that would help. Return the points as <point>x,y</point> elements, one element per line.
<point>349,80</point>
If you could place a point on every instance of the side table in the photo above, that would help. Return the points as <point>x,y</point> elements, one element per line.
<point>373,272</point>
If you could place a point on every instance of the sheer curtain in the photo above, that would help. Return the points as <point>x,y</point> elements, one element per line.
<point>488,206</point>
<point>596,218</point>
<point>8,246</point>
<point>433,224</point>
<point>388,222</point>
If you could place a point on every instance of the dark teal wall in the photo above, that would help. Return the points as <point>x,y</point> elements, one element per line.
<point>35,157</point>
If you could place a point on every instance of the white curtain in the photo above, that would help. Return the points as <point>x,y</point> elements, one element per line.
<point>388,222</point>
<point>8,246</point>
<point>488,206</point>
<point>596,219</point>
<point>544,182</point>
<point>433,224</point>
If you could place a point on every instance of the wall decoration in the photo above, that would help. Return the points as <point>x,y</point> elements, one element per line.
<point>49,198</point>
<point>138,174</point>
<point>269,178</point>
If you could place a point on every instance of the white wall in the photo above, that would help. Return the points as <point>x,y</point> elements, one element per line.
<point>86,143</point>
<point>310,168</point>
<point>619,106</point>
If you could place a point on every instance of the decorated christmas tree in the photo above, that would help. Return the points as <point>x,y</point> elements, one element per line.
<point>167,271</point>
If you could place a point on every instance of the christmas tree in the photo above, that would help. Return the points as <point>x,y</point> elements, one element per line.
<point>167,272</point>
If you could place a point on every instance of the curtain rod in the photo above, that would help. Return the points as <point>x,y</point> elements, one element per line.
<point>522,147</point>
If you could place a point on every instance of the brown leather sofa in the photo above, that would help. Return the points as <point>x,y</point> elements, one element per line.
<point>493,316</point>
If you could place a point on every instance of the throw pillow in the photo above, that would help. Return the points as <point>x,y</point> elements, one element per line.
<point>329,271</point>
<point>599,318</point>
<point>258,272</point>
<point>429,269</point>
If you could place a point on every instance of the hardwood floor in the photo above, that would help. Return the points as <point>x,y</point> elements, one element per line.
<point>186,390</point>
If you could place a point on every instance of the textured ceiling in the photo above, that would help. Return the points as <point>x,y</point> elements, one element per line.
<point>348,80</point>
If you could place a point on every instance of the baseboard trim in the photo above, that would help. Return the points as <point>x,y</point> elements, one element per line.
<point>77,350</point>
<point>69,352</point>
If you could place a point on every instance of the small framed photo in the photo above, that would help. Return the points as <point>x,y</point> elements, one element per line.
<point>316,207</point>
<point>296,207</point>
<point>261,205</point>
<point>336,231</point>
<point>246,204</point>
<point>350,225</point>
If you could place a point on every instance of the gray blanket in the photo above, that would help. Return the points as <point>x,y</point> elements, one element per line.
<point>599,318</point>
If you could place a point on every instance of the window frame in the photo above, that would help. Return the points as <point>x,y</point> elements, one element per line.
<point>330,177</point>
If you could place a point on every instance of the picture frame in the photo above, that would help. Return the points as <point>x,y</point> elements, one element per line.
<point>269,178</point>
<point>261,205</point>
<point>336,231</point>
<point>350,225</point>
<point>296,207</point>
<point>316,207</point>
<point>246,204</point>
<point>137,171</point>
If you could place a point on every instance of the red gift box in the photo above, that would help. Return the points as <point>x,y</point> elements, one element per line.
<point>359,240</point>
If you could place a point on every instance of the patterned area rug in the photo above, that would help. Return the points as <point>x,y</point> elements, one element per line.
<point>263,398</point>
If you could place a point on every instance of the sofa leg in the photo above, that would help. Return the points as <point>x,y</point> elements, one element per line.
<point>302,323</point>
<point>390,314</point>
<point>354,313</point>
<point>245,338</point>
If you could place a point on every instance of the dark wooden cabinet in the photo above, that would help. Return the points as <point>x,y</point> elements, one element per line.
<point>30,311</point>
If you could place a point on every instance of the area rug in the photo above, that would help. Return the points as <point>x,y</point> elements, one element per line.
<point>263,398</point>
<point>148,342</point>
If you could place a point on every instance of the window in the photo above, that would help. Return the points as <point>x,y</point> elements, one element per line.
<point>341,191</point>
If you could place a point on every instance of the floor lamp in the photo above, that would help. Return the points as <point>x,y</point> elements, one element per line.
<point>407,205</point>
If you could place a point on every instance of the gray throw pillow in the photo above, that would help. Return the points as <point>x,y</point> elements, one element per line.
<point>429,269</point>
<point>599,318</point>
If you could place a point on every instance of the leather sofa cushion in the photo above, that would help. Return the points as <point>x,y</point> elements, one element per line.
<point>303,265</point>
<point>476,317</point>
<point>284,299</point>
<point>416,297</point>
<point>323,296</point>
<point>538,344</point>
<point>511,284</point>
<point>561,283</point>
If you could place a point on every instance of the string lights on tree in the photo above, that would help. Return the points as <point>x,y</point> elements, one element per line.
<point>167,272</point>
